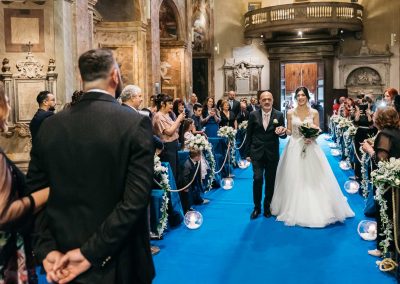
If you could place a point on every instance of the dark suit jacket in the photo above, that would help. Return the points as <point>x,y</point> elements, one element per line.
<point>235,108</point>
<point>97,158</point>
<point>250,108</point>
<point>242,116</point>
<point>263,143</point>
<point>37,120</point>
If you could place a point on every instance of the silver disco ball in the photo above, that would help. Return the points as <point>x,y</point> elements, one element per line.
<point>351,186</point>
<point>193,220</point>
<point>367,230</point>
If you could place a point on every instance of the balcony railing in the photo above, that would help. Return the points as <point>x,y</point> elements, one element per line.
<point>308,16</point>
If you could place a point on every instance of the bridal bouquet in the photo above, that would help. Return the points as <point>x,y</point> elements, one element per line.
<point>308,131</point>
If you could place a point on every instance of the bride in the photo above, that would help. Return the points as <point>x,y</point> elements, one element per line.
<point>306,191</point>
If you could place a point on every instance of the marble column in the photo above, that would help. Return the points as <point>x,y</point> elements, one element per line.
<point>65,55</point>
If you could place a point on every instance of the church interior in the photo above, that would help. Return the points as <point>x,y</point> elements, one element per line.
<point>343,48</point>
<point>180,47</point>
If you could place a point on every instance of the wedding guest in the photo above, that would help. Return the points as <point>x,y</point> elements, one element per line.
<point>98,158</point>
<point>190,105</point>
<point>228,117</point>
<point>197,118</point>
<point>76,96</point>
<point>253,105</point>
<point>363,120</point>
<point>336,106</point>
<point>188,133</point>
<point>389,96</point>
<point>168,131</point>
<point>47,104</point>
<point>234,105</point>
<point>131,96</point>
<point>243,113</point>
<point>211,118</point>
<point>178,107</point>
<point>386,146</point>
<point>16,208</point>
<point>192,195</point>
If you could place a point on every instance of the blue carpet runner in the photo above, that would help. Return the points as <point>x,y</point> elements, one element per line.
<point>230,248</point>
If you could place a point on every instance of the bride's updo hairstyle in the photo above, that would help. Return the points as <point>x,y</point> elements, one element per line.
<point>305,91</point>
<point>162,99</point>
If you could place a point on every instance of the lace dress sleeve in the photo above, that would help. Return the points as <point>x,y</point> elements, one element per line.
<point>12,208</point>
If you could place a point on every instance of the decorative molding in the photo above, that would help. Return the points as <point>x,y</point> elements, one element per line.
<point>29,68</point>
<point>115,38</point>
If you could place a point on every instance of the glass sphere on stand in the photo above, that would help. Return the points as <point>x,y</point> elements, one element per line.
<point>351,186</point>
<point>344,165</point>
<point>227,183</point>
<point>193,219</point>
<point>335,152</point>
<point>367,230</point>
<point>243,164</point>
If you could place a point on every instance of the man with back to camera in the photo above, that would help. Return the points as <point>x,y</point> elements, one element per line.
<point>97,158</point>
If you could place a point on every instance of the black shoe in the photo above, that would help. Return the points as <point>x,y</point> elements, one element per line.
<point>267,213</point>
<point>255,214</point>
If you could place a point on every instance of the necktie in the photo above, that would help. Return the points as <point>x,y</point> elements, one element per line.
<point>265,121</point>
<point>231,103</point>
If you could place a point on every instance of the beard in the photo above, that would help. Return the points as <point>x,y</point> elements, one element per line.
<point>52,108</point>
<point>120,86</point>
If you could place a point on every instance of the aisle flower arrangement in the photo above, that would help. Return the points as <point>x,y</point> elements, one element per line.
<point>229,133</point>
<point>161,174</point>
<point>348,137</point>
<point>243,125</point>
<point>386,177</point>
<point>199,142</point>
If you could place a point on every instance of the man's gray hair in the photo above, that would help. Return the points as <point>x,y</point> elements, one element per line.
<point>130,91</point>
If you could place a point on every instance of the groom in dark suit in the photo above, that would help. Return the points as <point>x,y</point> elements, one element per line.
<point>97,158</point>
<point>264,129</point>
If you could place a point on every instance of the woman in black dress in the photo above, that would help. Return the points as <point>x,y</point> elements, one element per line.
<point>386,146</point>
<point>227,117</point>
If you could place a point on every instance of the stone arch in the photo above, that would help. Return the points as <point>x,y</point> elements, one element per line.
<point>173,7</point>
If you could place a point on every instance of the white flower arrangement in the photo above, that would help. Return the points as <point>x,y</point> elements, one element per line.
<point>243,125</point>
<point>348,137</point>
<point>386,177</point>
<point>335,118</point>
<point>364,172</point>
<point>344,123</point>
<point>161,173</point>
<point>199,142</point>
<point>229,133</point>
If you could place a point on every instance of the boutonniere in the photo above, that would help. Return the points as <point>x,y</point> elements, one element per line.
<point>275,122</point>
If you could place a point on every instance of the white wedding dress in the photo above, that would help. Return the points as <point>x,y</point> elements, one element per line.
<point>306,191</point>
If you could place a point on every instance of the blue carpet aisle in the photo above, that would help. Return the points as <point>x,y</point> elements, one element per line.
<point>229,248</point>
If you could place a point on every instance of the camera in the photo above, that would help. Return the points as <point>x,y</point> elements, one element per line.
<point>363,107</point>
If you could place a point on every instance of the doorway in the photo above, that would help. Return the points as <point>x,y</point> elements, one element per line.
<point>309,75</point>
<point>200,78</point>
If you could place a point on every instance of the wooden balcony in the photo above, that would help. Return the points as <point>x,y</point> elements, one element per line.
<point>329,18</point>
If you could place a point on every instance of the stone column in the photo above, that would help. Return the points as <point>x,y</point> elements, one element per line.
<point>6,77</point>
<point>65,55</point>
<point>275,81</point>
